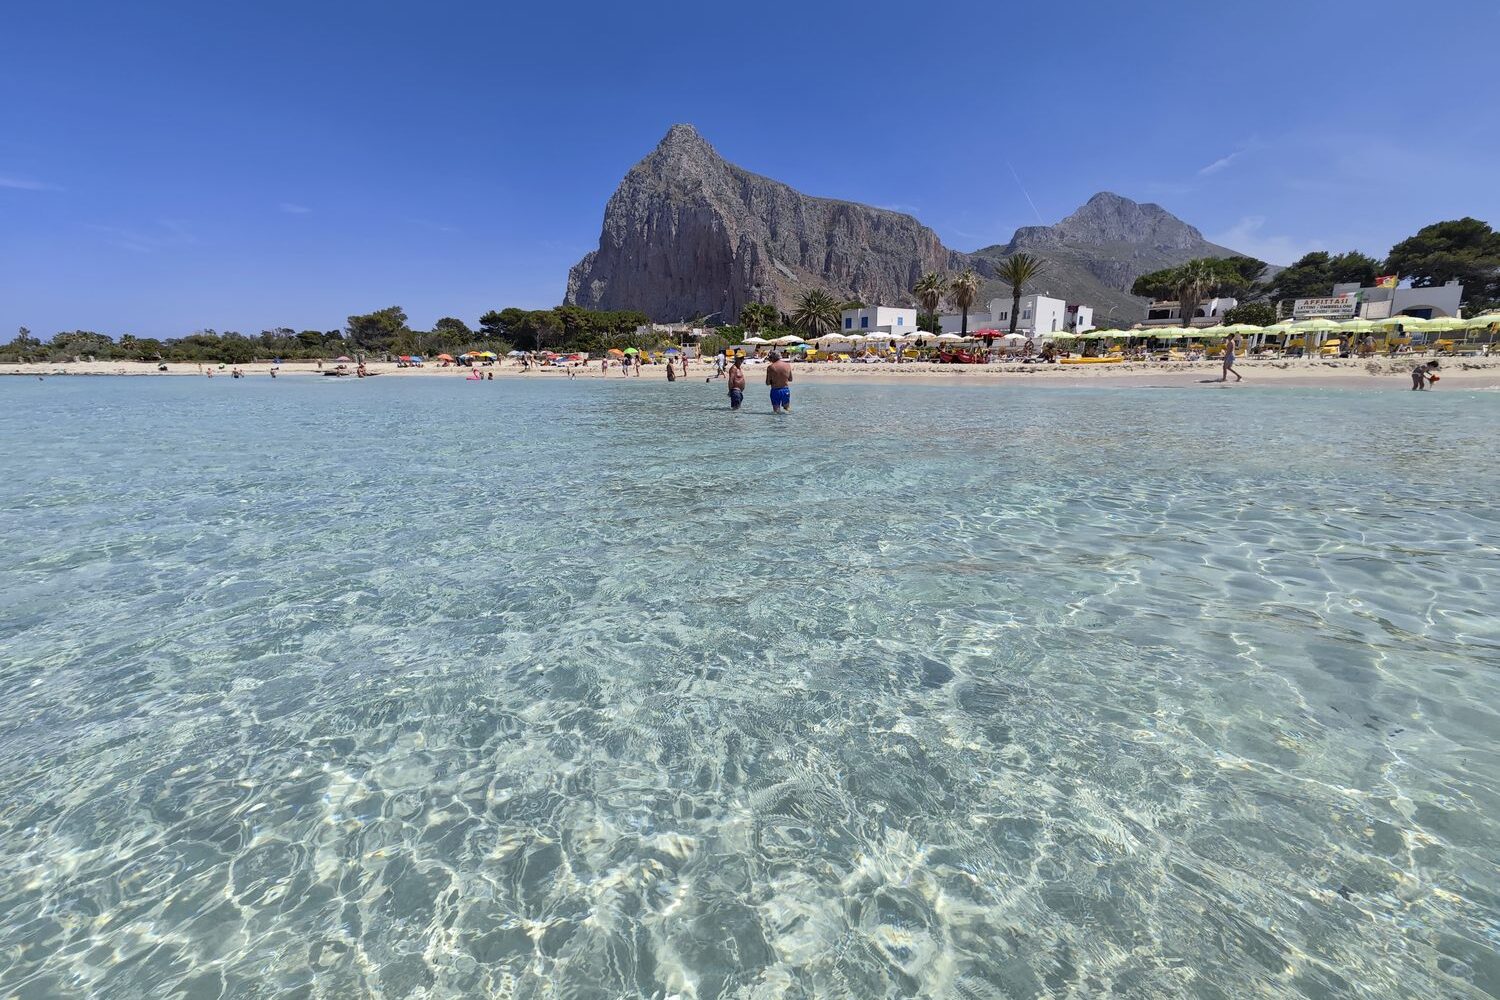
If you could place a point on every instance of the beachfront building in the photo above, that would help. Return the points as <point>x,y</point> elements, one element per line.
<point>893,320</point>
<point>1168,312</point>
<point>1351,301</point>
<point>1038,315</point>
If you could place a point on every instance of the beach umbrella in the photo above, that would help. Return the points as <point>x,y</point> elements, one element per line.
<point>1488,319</point>
<point>615,352</point>
<point>756,340</point>
<point>1356,326</point>
<point>949,337</point>
<point>855,338</point>
<point>415,358</point>
<point>445,357</point>
<point>1013,338</point>
<point>1445,323</point>
<point>1318,325</point>
<point>1060,335</point>
<point>343,357</point>
<point>1242,328</point>
<point>631,350</point>
<point>790,338</point>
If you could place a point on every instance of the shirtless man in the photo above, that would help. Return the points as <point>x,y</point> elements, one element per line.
<point>1231,342</point>
<point>779,378</point>
<point>736,384</point>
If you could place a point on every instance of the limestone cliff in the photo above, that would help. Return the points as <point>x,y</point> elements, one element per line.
<point>688,234</point>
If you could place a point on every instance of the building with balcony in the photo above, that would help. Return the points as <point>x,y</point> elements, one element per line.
<point>1168,312</point>
<point>1039,315</point>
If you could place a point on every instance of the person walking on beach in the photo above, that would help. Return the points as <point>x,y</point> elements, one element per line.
<point>1231,342</point>
<point>736,384</point>
<point>719,365</point>
<point>779,378</point>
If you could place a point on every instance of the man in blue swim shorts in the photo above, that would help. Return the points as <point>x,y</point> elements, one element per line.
<point>779,378</point>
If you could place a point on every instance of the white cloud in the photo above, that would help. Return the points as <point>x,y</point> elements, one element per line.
<point>1220,163</point>
<point>24,184</point>
<point>292,208</point>
<point>1248,236</point>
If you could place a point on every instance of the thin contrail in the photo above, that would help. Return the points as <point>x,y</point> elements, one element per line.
<point>1025,192</point>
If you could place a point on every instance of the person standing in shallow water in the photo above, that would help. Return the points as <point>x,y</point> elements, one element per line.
<point>779,378</point>
<point>736,384</point>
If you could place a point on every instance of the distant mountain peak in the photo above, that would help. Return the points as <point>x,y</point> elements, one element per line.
<point>1111,218</point>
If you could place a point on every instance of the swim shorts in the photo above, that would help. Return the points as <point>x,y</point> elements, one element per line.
<point>736,397</point>
<point>781,397</point>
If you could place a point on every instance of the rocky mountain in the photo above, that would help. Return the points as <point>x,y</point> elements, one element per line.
<point>1094,255</point>
<point>688,235</point>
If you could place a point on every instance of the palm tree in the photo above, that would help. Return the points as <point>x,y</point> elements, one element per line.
<point>929,291</point>
<point>758,315</point>
<point>1018,271</point>
<point>1192,281</point>
<point>965,289</point>
<point>817,313</point>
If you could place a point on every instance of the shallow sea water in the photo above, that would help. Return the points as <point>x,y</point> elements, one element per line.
<point>418,688</point>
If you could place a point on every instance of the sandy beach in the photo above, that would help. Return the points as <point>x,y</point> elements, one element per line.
<point>1378,373</point>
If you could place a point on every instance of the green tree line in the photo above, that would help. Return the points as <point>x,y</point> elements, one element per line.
<point>376,334</point>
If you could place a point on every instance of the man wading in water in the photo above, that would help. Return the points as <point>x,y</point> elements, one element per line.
<point>779,378</point>
<point>736,384</point>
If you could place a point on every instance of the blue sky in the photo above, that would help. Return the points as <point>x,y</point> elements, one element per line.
<point>169,166</point>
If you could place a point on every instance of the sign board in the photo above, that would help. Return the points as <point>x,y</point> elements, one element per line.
<point>1332,307</point>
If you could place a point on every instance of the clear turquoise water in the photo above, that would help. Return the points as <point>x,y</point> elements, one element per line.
<point>429,689</point>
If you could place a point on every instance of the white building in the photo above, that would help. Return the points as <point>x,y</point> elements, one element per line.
<point>879,319</point>
<point>1348,301</point>
<point>1168,312</point>
<point>1039,315</point>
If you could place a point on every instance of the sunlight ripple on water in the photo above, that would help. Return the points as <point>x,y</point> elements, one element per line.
<point>417,688</point>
